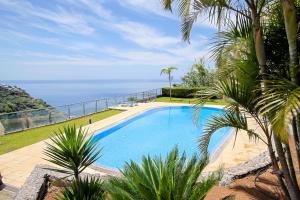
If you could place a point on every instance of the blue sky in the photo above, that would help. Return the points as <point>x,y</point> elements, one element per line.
<point>94,39</point>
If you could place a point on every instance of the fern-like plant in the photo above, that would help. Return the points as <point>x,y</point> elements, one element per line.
<point>89,189</point>
<point>175,178</point>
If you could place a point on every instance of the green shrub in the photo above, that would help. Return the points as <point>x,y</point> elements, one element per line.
<point>176,177</point>
<point>182,92</point>
<point>85,188</point>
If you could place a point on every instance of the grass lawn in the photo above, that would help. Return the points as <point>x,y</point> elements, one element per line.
<point>190,100</point>
<point>20,139</point>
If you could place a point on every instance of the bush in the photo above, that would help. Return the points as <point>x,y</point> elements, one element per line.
<point>85,189</point>
<point>176,177</point>
<point>182,92</point>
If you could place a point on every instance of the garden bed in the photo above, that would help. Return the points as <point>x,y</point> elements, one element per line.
<point>44,184</point>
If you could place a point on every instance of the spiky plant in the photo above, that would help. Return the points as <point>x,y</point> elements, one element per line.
<point>90,189</point>
<point>72,150</point>
<point>174,178</point>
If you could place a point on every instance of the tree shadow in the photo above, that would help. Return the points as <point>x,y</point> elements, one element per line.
<point>267,182</point>
<point>260,193</point>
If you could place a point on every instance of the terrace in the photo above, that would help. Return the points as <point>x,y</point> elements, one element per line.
<point>17,165</point>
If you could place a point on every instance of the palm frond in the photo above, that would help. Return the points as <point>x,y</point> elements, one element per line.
<point>230,118</point>
<point>236,33</point>
<point>218,12</point>
<point>280,102</point>
<point>238,92</point>
<point>168,70</point>
<point>71,150</point>
<point>167,4</point>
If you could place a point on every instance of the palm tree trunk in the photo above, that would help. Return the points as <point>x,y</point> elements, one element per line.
<point>76,175</point>
<point>261,58</point>
<point>276,168</point>
<point>259,42</point>
<point>291,28</point>
<point>293,190</point>
<point>170,84</point>
<point>296,135</point>
<point>291,165</point>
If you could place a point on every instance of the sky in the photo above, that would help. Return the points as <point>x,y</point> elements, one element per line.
<point>95,39</point>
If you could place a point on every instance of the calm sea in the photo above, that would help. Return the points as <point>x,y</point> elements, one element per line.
<point>72,91</point>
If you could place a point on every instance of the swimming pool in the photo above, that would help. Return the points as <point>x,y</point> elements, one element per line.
<point>155,132</point>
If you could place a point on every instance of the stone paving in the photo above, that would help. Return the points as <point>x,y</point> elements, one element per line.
<point>17,165</point>
<point>7,195</point>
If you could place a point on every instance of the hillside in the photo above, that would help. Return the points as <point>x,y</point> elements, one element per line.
<point>14,99</point>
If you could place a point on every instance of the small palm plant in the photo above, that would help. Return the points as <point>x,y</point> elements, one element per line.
<point>172,178</point>
<point>168,71</point>
<point>72,150</point>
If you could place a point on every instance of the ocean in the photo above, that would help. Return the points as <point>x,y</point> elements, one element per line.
<point>61,92</point>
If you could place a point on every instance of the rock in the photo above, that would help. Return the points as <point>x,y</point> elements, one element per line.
<point>35,186</point>
<point>241,170</point>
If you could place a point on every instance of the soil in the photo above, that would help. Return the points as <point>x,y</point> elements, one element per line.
<point>55,188</point>
<point>266,188</point>
<point>53,192</point>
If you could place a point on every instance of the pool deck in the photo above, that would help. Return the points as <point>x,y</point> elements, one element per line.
<point>17,165</point>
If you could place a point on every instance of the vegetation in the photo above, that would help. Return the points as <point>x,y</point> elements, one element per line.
<point>14,99</point>
<point>182,92</point>
<point>173,178</point>
<point>191,101</point>
<point>259,76</point>
<point>72,150</point>
<point>260,84</point>
<point>199,75</point>
<point>20,139</point>
<point>168,71</point>
<point>89,189</point>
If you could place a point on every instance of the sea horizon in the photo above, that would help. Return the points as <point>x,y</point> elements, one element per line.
<point>62,92</point>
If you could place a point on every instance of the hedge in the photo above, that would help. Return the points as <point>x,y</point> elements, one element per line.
<point>181,92</point>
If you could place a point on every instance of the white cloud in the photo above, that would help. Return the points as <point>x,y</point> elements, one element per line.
<point>155,7</point>
<point>145,36</point>
<point>69,26</point>
<point>65,19</point>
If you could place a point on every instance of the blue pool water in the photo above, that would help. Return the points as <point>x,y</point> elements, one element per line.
<point>156,132</point>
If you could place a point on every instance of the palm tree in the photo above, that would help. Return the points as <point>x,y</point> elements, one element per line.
<point>220,11</point>
<point>168,71</point>
<point>72,150</point>
<point>291,28</point>
<point>242,101</point>
<point>172,178</point>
